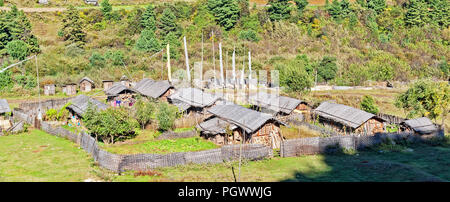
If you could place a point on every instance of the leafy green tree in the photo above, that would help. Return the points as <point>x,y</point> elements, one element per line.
<point>377,5</point>
<point>134,22</point>
<point>27,82</point>
<point>5,80</point>
<point>439,12</point>
<point>110,125</point>
<point>279,9</point>
<point>301,5</point>
<point>368,104</point>
<point>293,76</point>
<point>327,68</point>
<point>175,44</point>
<point>148,20</point>
<point>166,116</point>
<point>72,29</point>
<point>17,49</point>
<point>168,23</point>
<point>14,25</point>
<point>417,13</point>
<point>143,112</point>
<point>106,9</point>
<point>339,9</point>
<point>425,98</point>
<point>116,57</point>
<point>97,60</point>
<point>249,35</point>
<point>148,42</point>
<point>226,12</point>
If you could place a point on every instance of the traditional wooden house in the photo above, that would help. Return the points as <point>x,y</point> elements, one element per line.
<point>4,109</point>
<point>193,100</point>
<point>231,124</point>
<point>49,89</point>
<point>81,103</point>
<point>278,105</point>
<point>107,84</point>
<point>70,89</point>
<point>120,95</point>
<point>345,119</point>
<point>125,81</point>
<point>86,84</point>
<point>421,125</point>
<point>154,89</point>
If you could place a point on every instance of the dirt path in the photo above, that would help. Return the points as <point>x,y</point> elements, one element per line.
<point>35,10</point>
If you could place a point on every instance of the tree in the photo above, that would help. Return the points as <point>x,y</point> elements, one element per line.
<point>425,98</point>
<point>110,125</point>
<point>97,60</point>
<point>279,10</point>
<point>293,76</point>
<point>166,116</point>
<point>167,23</point>
<point>106,9</point>
<point>377,5</point>
<point>143,112</point>
<point>417,13</point>
<point>17,49</point>
<point>368,104</point>
<point>226,12</point>
<point>148,20</point>
<point>174,42</point>
<point>327,68</point>
<point>301,5</point>
<point>439,12</point>
<point>14,25</point>
<point>339,9</point>
<point>148,42</point>
<point>72,29</point>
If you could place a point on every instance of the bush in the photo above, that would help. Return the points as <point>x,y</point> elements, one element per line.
<point>294,77</point>
<point>51,115</point>
<point>166,116</point>
<point>110,125</point>
<point>17,49</point>
<point>143,112</point>
<point>327,68</point>
<point>97,60</point>
<point>249,35</point>
<point>368,104</point>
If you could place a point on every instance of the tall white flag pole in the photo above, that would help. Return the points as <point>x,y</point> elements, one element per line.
<point>221,64</point>
<point>187,60</point>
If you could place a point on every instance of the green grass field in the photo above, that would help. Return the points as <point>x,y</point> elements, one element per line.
<point>37,156</point>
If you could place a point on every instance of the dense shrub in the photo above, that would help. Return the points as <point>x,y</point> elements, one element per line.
<point>249,35</point>
<point>327,68</point>
<point>166,116</point>
<point>368,104</point>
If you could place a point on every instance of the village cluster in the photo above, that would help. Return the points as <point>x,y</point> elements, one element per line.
<point>221,120</point>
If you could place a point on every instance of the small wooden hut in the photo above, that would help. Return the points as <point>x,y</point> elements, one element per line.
<point>4,108</point>
<point>107,84</point>
<point>233,124</point>
<point>125,81</point>
<point>70,89</point>
<point>119,95</point>
<point>277,105</point>
<point>422,125</point>
<point>86,84</point>
<point>49,89</point>
<point>345,119</point>
<point>154,89</point>
<point>193,100</point>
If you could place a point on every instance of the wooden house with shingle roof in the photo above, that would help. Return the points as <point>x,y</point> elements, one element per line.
<point>80,105</point>
<point>346,119</point>
<point>422,125</point>
<point>231,123</point>
<point>154,89</point>
<point>86,84</point>
<point>193,100</point>
<point>120,95</point>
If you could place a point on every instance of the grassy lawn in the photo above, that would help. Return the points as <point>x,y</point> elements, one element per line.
<point>37,156</point>
<point>145,142</point>
<point>424,163</point>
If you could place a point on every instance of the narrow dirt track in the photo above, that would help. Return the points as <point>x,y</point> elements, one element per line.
<point>35,10</point>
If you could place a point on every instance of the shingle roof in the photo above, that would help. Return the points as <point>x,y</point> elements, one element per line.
<point>87,79</point>
<point>215,126</point>
<point>116,89</point>
<point>151,88</point>
<point>4,106</point>
<point>249,120</point>
<point>421,125</point>
<point>193,97</point>
<point>343,114</point>
<point>275,102</point>
<point>81,102</point>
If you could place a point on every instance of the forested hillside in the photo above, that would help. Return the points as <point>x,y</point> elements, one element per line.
<point>342,42</point>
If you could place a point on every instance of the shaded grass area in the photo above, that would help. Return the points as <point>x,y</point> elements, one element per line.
<point>294,132</point>
<point>37,156</point>
<point>145,142</point>
<point>424,163</point>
